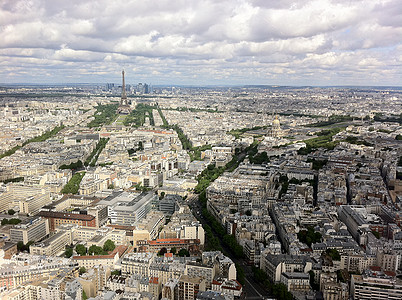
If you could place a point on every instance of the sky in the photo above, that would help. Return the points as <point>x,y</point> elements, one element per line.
<point>202,42</point>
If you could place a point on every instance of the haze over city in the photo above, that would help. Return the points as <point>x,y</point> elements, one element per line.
<point>202,42</point>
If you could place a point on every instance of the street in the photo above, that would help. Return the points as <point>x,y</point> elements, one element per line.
<point>251,289</point>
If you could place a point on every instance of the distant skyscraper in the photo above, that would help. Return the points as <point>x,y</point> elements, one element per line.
<point>109,86</point>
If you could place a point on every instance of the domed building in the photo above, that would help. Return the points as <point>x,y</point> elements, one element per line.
<point>275,130</point>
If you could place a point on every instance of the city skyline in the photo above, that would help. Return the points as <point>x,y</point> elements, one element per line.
<point>296,43</point>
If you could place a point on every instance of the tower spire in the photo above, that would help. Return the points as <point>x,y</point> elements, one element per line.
<point>123,91</point>
<point>124,107</point>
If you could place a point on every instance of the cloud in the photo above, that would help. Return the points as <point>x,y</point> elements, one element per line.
<point>202,41</point>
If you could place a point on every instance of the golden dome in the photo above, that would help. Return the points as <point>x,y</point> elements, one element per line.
<point>276,121</point>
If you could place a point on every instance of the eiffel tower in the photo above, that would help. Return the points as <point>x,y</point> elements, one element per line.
<point>124,108</point>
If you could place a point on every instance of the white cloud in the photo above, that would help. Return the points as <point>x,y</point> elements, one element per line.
<point>202,41</point>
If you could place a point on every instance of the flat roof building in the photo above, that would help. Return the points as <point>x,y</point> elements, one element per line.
<point>59,218</point>
<point>31,230</point>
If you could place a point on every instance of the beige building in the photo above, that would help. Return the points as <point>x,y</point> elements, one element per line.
<point>388,261</point>
<point>54,245</point>
<point>153,223</point>
<point>188,287</point>
<point>6,201</point>
<point>139,235</point>
<point>26,268</point>
<point>94,280</point>
<point>34,230</point>
<point>357,262</point>
<point>90,261</point>
<point>137,263</point>
<point>207,272</point>
<point>375,286</point>
<point>296,281</point>
<point>331,289</point>
<point>118,237</point>
<point>32,204</point>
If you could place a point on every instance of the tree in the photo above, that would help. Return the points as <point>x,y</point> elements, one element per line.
<point>183,252</point>
<point>280,291</point>
<point>313,284</point>
<point>162,251</point>
<point>81,249</point>
<point>69,252</point>
<point>11,221</point>
<point>334,254</point>
<point>96,250</point>
<point>173,250</point>
<point>82,270</point>
<point>11,211</point>
<point>376,234</point>
<point>14,221</point>
<point>109,246</point>
<point>309,236</point>
<point>20,246</point>
<point>259,275</point>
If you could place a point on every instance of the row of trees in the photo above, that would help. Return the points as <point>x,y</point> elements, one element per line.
<point>379,117</point>
<point>215,233</point>
<point>334,119</point>
<point>73,185</point>
<point>182,252</point>
<point>15,179</point>
<point>192,109</point>
<point>105,115</point>
<point>214,230</point>
<point>73,166</point>
<point>40,138</point>
<point>13,221</point>
<point>355,140</point>
<point>136,118</point>
<point>45,136</point>
<point>279,291</point>
<point>185,142</point>
<point>324,140</point>
<point>93,250</point>
<point>207,176</point>
<point>165,122</point>
<point>238,132</point>
<point>317,164</point>
<point>212,172</point>
<point>93,157</point>
<point>194,152</point>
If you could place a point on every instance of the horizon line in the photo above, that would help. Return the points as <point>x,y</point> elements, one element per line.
<point>206,85</point>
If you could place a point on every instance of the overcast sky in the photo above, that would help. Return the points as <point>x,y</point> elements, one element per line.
<point>200,42</point>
